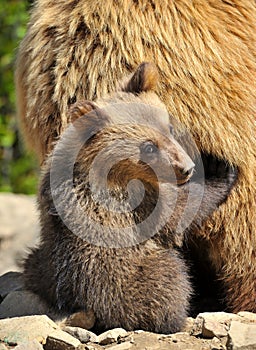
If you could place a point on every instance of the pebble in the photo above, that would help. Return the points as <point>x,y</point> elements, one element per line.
<point>112,336</point>
<point>81,334</point>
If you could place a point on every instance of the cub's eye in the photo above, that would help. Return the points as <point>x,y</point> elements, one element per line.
<point>149,148</point>
<point>171,129</point>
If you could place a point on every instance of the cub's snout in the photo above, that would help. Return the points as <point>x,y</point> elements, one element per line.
<point>168,160</point>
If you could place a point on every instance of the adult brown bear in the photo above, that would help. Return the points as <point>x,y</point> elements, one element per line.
<point>206,55</point>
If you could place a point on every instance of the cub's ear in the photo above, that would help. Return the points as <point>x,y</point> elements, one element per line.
<point>145,78</point>
<point>81,108</point>
<point>87,119</point>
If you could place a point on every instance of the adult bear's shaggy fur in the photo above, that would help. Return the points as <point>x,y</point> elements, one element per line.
<point>206,54</point>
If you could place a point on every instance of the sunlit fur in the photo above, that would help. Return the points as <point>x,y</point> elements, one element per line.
<point>206,53</point>
<point>142,283</point>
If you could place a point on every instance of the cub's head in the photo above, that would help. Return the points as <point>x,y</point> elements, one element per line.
<point>129,136</point>
<point>93,172</point>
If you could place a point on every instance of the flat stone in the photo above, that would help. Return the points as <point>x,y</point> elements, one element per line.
<point>23,303</point>
<point>213,324</point>
<point>60,340</point>
<point>247,316</point>
<point>177,341</point>
<point>242,336</point>
<point>82,334</point>
<point>17,330</point>
<point>9,282</point>
<point>122,346</point>
<point>31,345</point>
<point>111,336</point>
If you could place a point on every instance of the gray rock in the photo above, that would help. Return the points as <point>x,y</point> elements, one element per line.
<point>24,303</point>
<point>112,336</point>
<point>10,282</point>
<point>82,334</point>
<point>242,336</point>
<point>31,345</point>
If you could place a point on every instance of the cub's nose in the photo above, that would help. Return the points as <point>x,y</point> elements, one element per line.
<point>188,171</point>
<point>184,173</point>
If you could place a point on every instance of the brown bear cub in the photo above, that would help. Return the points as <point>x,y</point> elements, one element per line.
<point>106,243</point>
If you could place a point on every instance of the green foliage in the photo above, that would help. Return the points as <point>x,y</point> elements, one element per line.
<point>18,171</point>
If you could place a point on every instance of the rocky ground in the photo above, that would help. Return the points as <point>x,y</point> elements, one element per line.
<point>26,323</point>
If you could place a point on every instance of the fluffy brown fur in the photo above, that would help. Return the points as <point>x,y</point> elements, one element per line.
<point>131,278</point>
<point>142,285</point>
<point>206,55</point>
